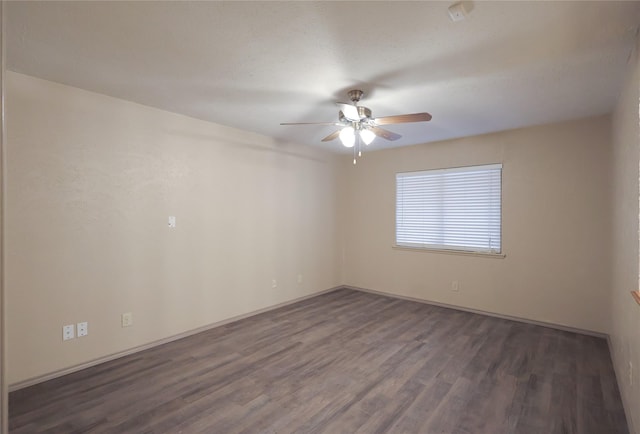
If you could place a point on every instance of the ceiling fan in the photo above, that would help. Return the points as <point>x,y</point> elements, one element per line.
<point>356,122</point>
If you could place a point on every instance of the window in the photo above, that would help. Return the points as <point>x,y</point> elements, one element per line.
<point>450,209</point>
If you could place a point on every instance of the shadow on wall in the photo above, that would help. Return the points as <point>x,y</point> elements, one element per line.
<point>222,140</point>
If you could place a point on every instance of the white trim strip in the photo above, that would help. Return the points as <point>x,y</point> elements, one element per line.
<point>72,369</point>
<point>451,252</point>
<point>486,313</point>
<point>450,169</point>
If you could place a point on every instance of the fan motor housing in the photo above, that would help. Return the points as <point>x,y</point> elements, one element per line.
<point>363,112</point>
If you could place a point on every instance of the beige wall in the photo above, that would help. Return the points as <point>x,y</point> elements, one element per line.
<point>556,232</point>
<point>91,183</point>
<point>625,313</point>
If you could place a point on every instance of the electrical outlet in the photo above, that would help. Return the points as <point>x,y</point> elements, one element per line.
<point>83,328</point>
<point>68,332</point>
<point>274,283</point>
<point>127,319</point>
<point>455,286</point>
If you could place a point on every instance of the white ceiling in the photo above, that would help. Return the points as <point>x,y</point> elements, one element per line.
<point>252,65</point>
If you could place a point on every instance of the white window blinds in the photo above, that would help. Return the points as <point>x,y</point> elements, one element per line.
<point>453,209</point>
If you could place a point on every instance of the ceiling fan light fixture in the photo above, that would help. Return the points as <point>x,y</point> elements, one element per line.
<point>358,125</point>
<point>367,136</point>
<point>348,137</point>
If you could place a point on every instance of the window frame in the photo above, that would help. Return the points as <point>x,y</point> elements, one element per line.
<point>435,248</point>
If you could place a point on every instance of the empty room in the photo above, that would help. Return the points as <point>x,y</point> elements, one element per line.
<point>320,217</point>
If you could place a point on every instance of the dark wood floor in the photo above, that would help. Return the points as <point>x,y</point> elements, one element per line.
<point>342,362</point>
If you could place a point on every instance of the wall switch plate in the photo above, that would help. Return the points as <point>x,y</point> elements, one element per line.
<point>68,332</point>
<point>455,286</point>
<point>172,221</point>
<point>630,373</point>
<point>127,319</point>
<point>274,283</point>
<point>299,278</point>
<point>83,328</point>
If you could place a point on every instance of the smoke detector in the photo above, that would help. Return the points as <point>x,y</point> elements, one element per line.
<point>458,11</point>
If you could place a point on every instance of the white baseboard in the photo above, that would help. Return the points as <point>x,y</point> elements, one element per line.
<point>59,373</point>
<point>94,362</point>
<point>482,312</point>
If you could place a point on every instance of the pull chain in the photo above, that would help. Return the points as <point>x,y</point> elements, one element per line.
<point>357,145</point>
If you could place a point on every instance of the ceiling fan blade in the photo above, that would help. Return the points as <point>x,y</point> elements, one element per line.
<point>309,123</point>
<point>332,136</point>
<point>399,119</point>
<point>385,134</point>
<point>350,111</point>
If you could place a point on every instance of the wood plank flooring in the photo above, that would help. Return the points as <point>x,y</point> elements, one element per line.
<point>342,362</point>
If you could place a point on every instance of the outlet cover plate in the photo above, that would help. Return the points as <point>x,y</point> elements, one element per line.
<point>68,332</point>
<point>83,329</point>
<point>127,319</point>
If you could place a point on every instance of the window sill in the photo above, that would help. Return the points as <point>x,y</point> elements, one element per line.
<point>452,252</point>
<point>636,296</point>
